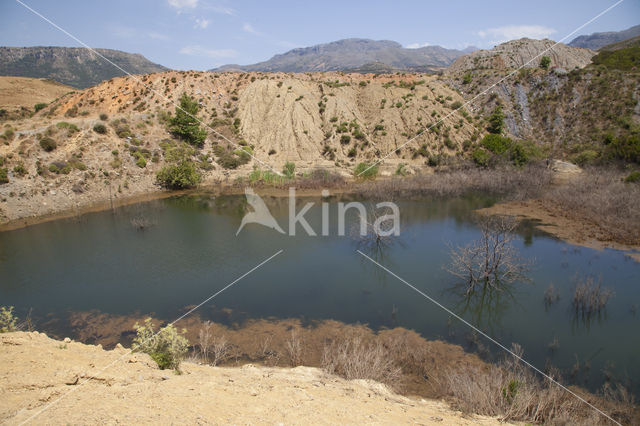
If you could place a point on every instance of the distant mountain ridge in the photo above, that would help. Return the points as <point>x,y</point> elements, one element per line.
<point>596,41</point>
<point>75,66</point>
<point>355,54</point>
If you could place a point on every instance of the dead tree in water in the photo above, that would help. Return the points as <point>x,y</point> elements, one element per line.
<point>492,259</point>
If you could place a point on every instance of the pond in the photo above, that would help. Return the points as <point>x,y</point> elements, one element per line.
<point>188,250</point>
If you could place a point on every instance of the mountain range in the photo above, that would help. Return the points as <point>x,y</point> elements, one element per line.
<point>76,67</point>
<point>82,68</point>
<point>596,41</point>
<point>355,54</point>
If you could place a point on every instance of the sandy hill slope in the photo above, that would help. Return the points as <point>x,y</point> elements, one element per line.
<point>35,371</point>
<point>353,53</point>
<point>326,120</point>
<point>75,66</point>
<point>517,53</point>
<point>24,92</point>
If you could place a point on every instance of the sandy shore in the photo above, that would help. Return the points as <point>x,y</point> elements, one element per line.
<point>76,383</point>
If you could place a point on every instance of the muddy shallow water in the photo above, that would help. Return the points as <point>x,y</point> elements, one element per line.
<point>188,250</point>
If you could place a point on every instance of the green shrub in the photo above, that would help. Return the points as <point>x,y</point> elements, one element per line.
<point>39,106</point>
<point>121,128</point>
<point>588,156</point>
<point>401,170</point>
<point>167,347</point>
<point>4,178</point>
<point>48,144</point>
<point>545,61</point>
<point>179,176</point>
<point>450,143</point>
<point>626,148</point>
<point>185,125</point>
<point>467,77</point>
<point>496,143</point>
<point>481,157</point>
<point>625,59</point>
<point>456,105</point>
<point>104,117</point>
<point>100,128</point>
<point>141,162</point>
<point>289,170</point>
<point>20,169</point>
<point>8,134</point>
<point>365,171</point>
<point>60,167</point>
<point>8,321</point>
<point>634,177</point>
<point>345,139</point>
<point>72,128</point>
<point>496,121</point>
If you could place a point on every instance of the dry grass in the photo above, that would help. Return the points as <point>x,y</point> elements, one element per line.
<point>600,197</point>
<point>213,350</point>
<point>524,183</point>
<point>354,358</point>
<point>294,348</point>
<point>589,297</point>
<point>512,391</point>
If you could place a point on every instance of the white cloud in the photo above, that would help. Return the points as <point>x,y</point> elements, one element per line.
<point>225,10</point>
<point>417,45</point>
<point>183,4</point>
<point>202,23</point>
<point>511,32</point>
<point>196,50</point>
<point>249,29</point>
<point>157,36</point>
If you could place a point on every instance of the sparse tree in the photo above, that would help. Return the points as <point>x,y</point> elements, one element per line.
<point>496,121</point>
<point>492,260</point>
<point>185,125</point>
<point>545,61</point>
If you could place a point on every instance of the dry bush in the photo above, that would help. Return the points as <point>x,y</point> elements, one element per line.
<point>205,339</point>
<point>220,350</point>
<point>590,297</point>
<point>492,260</point>
<point>512,391</point>
<point>294,348</point>
<point>141,222</point>
<point>376,228</point>
<point>524,183</point>
<point>551,295</point>
<point>353,358</point>
<point>601,198</point>
<point>213,349</point>
<point>266,353</point>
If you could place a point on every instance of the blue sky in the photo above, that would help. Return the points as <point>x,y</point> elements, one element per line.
<point>201,34</point>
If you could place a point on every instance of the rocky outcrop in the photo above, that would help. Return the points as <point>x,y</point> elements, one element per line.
<point>524,52</point>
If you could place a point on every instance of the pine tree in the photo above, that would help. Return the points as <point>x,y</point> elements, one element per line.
<point>184,125</point>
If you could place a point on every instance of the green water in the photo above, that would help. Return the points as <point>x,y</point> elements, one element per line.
<point>100,262</point>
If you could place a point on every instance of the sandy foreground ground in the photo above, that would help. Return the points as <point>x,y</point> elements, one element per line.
<point>60,382</point>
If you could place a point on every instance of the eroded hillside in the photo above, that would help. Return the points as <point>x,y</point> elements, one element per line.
<point>110,140</point>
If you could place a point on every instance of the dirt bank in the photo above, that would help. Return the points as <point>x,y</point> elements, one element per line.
<point>36,371</point>
<point>562,225</point>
